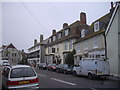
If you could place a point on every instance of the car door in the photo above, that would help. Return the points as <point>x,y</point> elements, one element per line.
<point>5,76</point>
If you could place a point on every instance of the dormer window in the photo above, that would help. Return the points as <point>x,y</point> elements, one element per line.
<point>96,26</point>
<point>59,35</point>
<point>83,33</point>
<point>66,32</point>
<point>54,38</point>
<point>49,40</point>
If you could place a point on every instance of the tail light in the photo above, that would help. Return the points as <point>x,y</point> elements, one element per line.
<point>12,83</point>
<point>22,82</point>
<point>33,80</point>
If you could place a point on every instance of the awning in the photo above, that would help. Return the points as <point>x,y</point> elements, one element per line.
<point>78,54</point>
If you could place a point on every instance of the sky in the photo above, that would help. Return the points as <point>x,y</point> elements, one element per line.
<point>22,22</point>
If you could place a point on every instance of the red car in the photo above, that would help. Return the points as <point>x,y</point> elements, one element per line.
<point>51,67</point>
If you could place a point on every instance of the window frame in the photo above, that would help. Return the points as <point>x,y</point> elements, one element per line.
<point>66,32</point>
<point>83,33</point>
<point>96,26</point>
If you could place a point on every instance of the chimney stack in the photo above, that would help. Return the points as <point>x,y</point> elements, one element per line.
<point>112,8</point>
<point>111,5</point>
<point>41,38</point>
<point>83,18</point>
<point>35,42</point>
<point>53,32</point>
<point>65,25</point>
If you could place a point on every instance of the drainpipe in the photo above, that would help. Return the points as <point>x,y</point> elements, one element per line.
<point>105,45</point>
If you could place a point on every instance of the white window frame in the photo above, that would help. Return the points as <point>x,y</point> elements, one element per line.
<point>66,46</point>
<point>78,47</point>
<point>96,26</point>
<point>85,45</point>
<point>95,42</point>
<point>83,33</point>
<point>50,40</point>
<point>54,38</point>
<point>71,44</point>
<point>66,32</point>
<point>59,35</point>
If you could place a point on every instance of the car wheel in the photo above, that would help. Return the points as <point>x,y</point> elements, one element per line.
<point>65,72</point>
<point>57,71</point>
<point>90,76</point>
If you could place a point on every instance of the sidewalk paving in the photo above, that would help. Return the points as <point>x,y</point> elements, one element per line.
<point>114,78</point>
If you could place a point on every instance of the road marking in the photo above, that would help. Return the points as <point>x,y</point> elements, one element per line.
<point>42,75</point>
<point>62,81</point>
<point>93,89</point>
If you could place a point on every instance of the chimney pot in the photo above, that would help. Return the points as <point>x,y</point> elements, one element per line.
<point>35,42</point>
<point>53,32</point>
<point>65,25</point>
<point>111,5</point>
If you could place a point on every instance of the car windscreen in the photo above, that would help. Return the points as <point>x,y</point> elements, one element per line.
<point>22,72</point>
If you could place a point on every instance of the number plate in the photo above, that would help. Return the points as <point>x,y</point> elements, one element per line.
<point>23,82</point>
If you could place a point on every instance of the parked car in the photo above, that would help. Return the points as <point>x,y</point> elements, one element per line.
<point>19,77</point>
<point>64,68</point>
<point>51,67</point>
<point>92,68</point>
<point>42,66</point>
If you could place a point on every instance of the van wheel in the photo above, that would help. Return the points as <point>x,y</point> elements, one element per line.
<point>75,73</point>
<point>90,76</point>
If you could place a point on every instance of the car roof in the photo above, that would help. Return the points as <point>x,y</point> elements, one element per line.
<point>18,66</point>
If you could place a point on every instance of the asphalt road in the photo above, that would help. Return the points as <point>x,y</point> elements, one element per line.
<point>49,79</point>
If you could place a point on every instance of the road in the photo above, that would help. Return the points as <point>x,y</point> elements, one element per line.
<point>49,79</point>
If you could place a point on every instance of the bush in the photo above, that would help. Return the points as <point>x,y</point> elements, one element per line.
<point>70,58</point>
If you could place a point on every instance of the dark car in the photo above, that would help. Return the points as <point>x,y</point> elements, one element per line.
<point>64,68</point>
<point>51,67</point>
<point>42,66</point>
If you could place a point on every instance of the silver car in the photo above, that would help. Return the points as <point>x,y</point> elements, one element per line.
<point>19,77</point>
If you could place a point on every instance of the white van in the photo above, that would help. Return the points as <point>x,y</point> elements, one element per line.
<point>4,63</point>
<point>92,68</point>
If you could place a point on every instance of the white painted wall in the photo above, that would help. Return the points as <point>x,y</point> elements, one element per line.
<point>112,45</point>
<point>0,23</point>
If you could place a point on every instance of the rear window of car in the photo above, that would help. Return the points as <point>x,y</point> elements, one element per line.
<point>22,72</point>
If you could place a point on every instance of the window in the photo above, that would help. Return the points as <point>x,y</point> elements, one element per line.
<point>6,72</point>
<point>78,47</point>
<point>66,45</point>
<point>85,45</point>
<point>57,49</point>
<point>71,44</point>
<point>49,40</point>
<point>59,35</point>
<point>15,54</point>
<point>83,33</point>
<point>96,26</point>
<point>95,42</point>
<point>54,38</point>
<point>66,32</point>
<point>16,73</point>
<point>12,54</point>
<point>53,50</point>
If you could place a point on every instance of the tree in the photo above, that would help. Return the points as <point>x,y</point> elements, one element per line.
<point>70,58</point>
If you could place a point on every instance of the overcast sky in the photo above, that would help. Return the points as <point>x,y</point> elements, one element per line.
<point>24,22</point>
